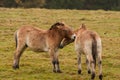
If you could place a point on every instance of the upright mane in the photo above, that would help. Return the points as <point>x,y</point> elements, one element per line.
<point>55,25</point>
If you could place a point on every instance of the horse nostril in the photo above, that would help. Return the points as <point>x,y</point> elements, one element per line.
<point>74,37</point>
<point>61,46</point>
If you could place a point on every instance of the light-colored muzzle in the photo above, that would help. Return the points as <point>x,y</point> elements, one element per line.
<point>73,36</point>
<point>66,41</point>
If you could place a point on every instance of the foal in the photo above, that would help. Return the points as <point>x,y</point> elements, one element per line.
<point>89,43</point>
<point>42,41</point>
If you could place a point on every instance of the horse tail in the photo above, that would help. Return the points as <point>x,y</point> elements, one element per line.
<point>16,38</point>
<point>94,49</point>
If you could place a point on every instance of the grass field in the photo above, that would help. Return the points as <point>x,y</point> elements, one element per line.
<point>37,66</point>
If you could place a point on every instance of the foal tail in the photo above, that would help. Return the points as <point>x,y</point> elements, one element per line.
<point>94,49</point>
<point>15,38</point>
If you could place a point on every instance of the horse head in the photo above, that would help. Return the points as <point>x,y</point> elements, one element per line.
<point>56,25</point>
<point>65,31</point>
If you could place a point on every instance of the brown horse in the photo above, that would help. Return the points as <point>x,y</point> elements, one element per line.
<point>42,40</point>
<point>89,43</point>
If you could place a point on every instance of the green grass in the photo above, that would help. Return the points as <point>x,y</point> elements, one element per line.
<point>37,66</point>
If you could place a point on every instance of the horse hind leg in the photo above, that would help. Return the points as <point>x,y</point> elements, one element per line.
<point>79,61</point>
<point>91,61</point>
<point>19,50</point>
<point>88,64</point>
<point>100,66</point>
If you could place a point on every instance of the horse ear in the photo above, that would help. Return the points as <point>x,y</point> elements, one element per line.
<point>83,26</point>
<point>59,24</point>
<point>56,25</point>
<point>51,28</point>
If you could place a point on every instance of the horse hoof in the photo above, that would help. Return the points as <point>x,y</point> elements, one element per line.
<point>60,46</point>
<point>92,76</point>
<point>100,77</point>
<point>54,70</point>
<point>79,71</point>
<point>59,71</point>
<point>15,67</point>
<point>89,71</point>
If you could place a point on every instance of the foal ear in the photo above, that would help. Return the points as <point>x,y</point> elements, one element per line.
<point>83,26</point>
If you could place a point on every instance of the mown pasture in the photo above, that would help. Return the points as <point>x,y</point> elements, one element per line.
<point>37,66</point>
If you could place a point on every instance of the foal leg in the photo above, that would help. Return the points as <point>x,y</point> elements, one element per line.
<point>93,67</point>
<point>88,63</point>
<point>100,66</point>
<point>79,62</point>
<point>17,55</point>
<point>88,52</point>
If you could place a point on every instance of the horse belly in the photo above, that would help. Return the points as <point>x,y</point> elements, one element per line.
<point>39,49</point>
<point>37,45</point>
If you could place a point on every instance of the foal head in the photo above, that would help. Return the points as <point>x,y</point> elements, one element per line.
<point>66,41</point>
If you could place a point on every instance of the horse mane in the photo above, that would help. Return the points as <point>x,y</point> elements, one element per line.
<point>56,24</point>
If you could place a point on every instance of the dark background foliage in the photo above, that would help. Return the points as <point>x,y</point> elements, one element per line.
<point>63,4</point>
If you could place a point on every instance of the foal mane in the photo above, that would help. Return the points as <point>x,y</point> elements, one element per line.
<point>55,25</point>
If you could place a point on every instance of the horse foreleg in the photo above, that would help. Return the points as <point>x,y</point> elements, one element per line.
<point>54,68</point>
<point>55,61</point>
<point>57,66</point>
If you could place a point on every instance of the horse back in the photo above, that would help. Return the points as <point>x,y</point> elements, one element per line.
<point>34,38</point>
<point>85,39</point>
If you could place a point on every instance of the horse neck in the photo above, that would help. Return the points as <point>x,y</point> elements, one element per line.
<point>76,31</point>
<point>56,35</point>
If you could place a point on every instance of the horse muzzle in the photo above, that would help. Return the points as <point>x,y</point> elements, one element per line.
<point>73,37</point>
<point>61,46</point>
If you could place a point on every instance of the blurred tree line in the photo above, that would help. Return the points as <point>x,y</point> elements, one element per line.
<point>63,4</point>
